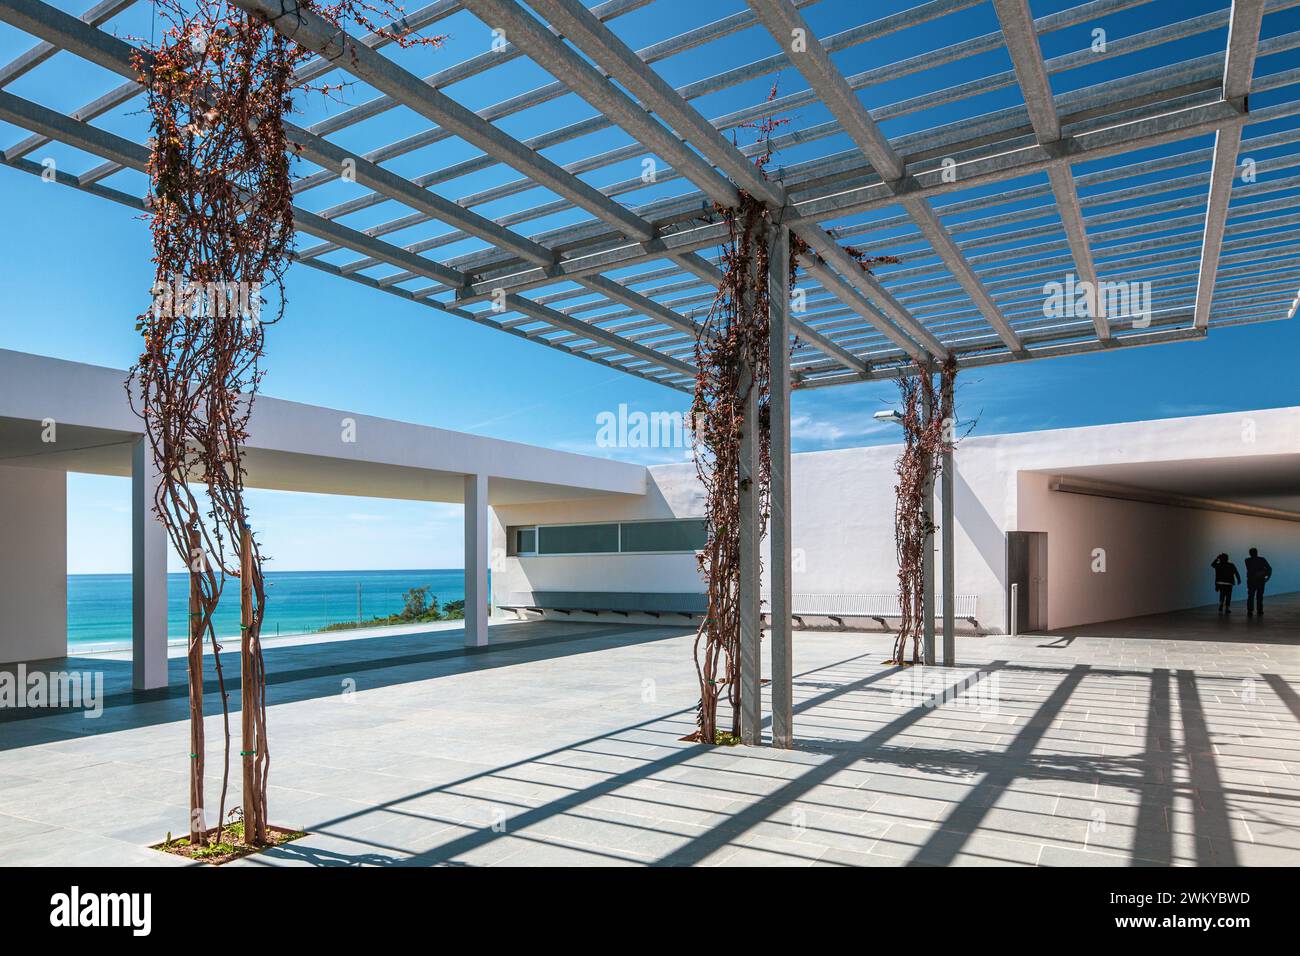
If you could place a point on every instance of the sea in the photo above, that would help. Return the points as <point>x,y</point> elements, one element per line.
<point>297,602</point>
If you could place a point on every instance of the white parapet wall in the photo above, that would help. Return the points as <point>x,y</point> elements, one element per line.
<point>33,564</point>
<point>1157,556</point>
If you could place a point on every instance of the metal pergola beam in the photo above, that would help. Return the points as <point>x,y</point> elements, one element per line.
<point>543,47</point>
<point>875,29</point>
<point>976,307</point>
<point>1031,72</point>
<point>114,54</point>
<point>309,30</point>
<point>1238,69</point>
<point>598,41</point>
<point>790,29</point>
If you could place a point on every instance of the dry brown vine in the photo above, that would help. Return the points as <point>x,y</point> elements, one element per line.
<point>732,358</point>
<point>731,354</point>
<point>927,433</point>
<point>219,84</point>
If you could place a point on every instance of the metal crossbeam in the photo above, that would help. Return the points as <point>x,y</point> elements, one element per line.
<point>970,286</point>
<point>526,33</point>
<point>790,29</point>
<point>1031,72</point>
<point>616,58</point>
<point>1238,68</point>
<point>114,54</point>
<point>309,30</point>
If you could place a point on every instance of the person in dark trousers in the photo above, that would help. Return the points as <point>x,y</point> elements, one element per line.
<point>1258,571</point>
<point>1225,576</point>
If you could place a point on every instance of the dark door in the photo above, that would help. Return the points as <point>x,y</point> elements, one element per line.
<point>1027,570</point>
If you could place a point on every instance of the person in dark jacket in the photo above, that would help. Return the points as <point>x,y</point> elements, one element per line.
<point>1258,571</point>
<point>1225,576</point>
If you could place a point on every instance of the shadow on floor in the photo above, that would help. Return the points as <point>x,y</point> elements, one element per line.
<point>1168,768</point>
<point>1280,624</point>
<point>305,671</point>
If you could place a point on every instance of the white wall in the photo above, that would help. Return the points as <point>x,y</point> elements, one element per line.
<point>1157,557</point>
<point>672,492</point>
<point>33,564</point>
<point>842,513</point>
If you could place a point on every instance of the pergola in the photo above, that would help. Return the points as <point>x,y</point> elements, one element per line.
<point>1126,176</point>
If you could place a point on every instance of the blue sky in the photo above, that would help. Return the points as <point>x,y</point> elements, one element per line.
<point>76,270</point>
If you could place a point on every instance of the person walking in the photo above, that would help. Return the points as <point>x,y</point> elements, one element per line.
<point>1258,571</point>
<point>1225,576</point>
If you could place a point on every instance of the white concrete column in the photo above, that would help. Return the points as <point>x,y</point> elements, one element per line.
<point>476,560</point>
<point>33,564</point>
<point>148,575</point>
<point>782,586</point>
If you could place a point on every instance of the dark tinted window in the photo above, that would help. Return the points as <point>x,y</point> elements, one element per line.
<point>686,535</point>
<point>578,539</point>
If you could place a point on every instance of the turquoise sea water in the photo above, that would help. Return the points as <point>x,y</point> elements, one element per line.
<point>99,605</point>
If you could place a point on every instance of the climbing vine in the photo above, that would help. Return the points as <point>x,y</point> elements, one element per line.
<point>733,362</point>
<point>928,425</point>
<point>219,83</point>
<point>732,357</point>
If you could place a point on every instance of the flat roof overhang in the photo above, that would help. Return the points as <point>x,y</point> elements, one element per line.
<point>291,447</point>
<point>1268,481</point>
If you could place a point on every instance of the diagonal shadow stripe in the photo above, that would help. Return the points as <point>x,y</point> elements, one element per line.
<point>946,842</point>
<point>1153,841</point>
<point>744,821</point>
<point>523,820</point>
<point>341,669</point>
<point>1210,820</point>
<point>1285,692</point>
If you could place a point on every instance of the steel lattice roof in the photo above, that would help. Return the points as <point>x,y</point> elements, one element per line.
<point>951,133</point>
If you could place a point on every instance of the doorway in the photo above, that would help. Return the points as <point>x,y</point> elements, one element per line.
<point>1027,572</point>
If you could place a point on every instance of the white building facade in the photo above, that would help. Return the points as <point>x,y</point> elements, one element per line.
<point>1142,510</point>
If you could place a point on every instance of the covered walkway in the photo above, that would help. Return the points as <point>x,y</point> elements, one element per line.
<point>58,417</point>
<point>1279,625</point>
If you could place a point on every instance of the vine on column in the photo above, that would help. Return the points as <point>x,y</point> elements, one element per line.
<point>219,84</point>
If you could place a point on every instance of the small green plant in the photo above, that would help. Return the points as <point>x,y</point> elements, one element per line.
<point>419,607</point>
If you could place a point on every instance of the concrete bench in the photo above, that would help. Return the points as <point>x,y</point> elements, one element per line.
<point>835,607</point>
<point>626,603</point>
<point>877,607</point>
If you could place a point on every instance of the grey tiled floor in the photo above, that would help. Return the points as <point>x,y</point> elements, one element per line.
<point>1158,741</point>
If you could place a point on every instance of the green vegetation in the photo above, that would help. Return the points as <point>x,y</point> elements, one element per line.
<point>420,608</point>
<point>229,844</point>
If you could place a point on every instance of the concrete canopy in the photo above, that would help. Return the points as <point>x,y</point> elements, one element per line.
<point>292,447</point>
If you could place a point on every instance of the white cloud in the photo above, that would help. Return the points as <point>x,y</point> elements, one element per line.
<point>833,431</point>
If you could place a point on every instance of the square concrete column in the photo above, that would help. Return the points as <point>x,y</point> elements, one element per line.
<point>476,560</point>
<point>779,408</point>
<point>33,564</point>
<point>148,575</point>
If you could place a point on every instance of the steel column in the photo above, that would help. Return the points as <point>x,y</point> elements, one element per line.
<point>927,558</point>
<point>781,604</point>
<point>751,538</point>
